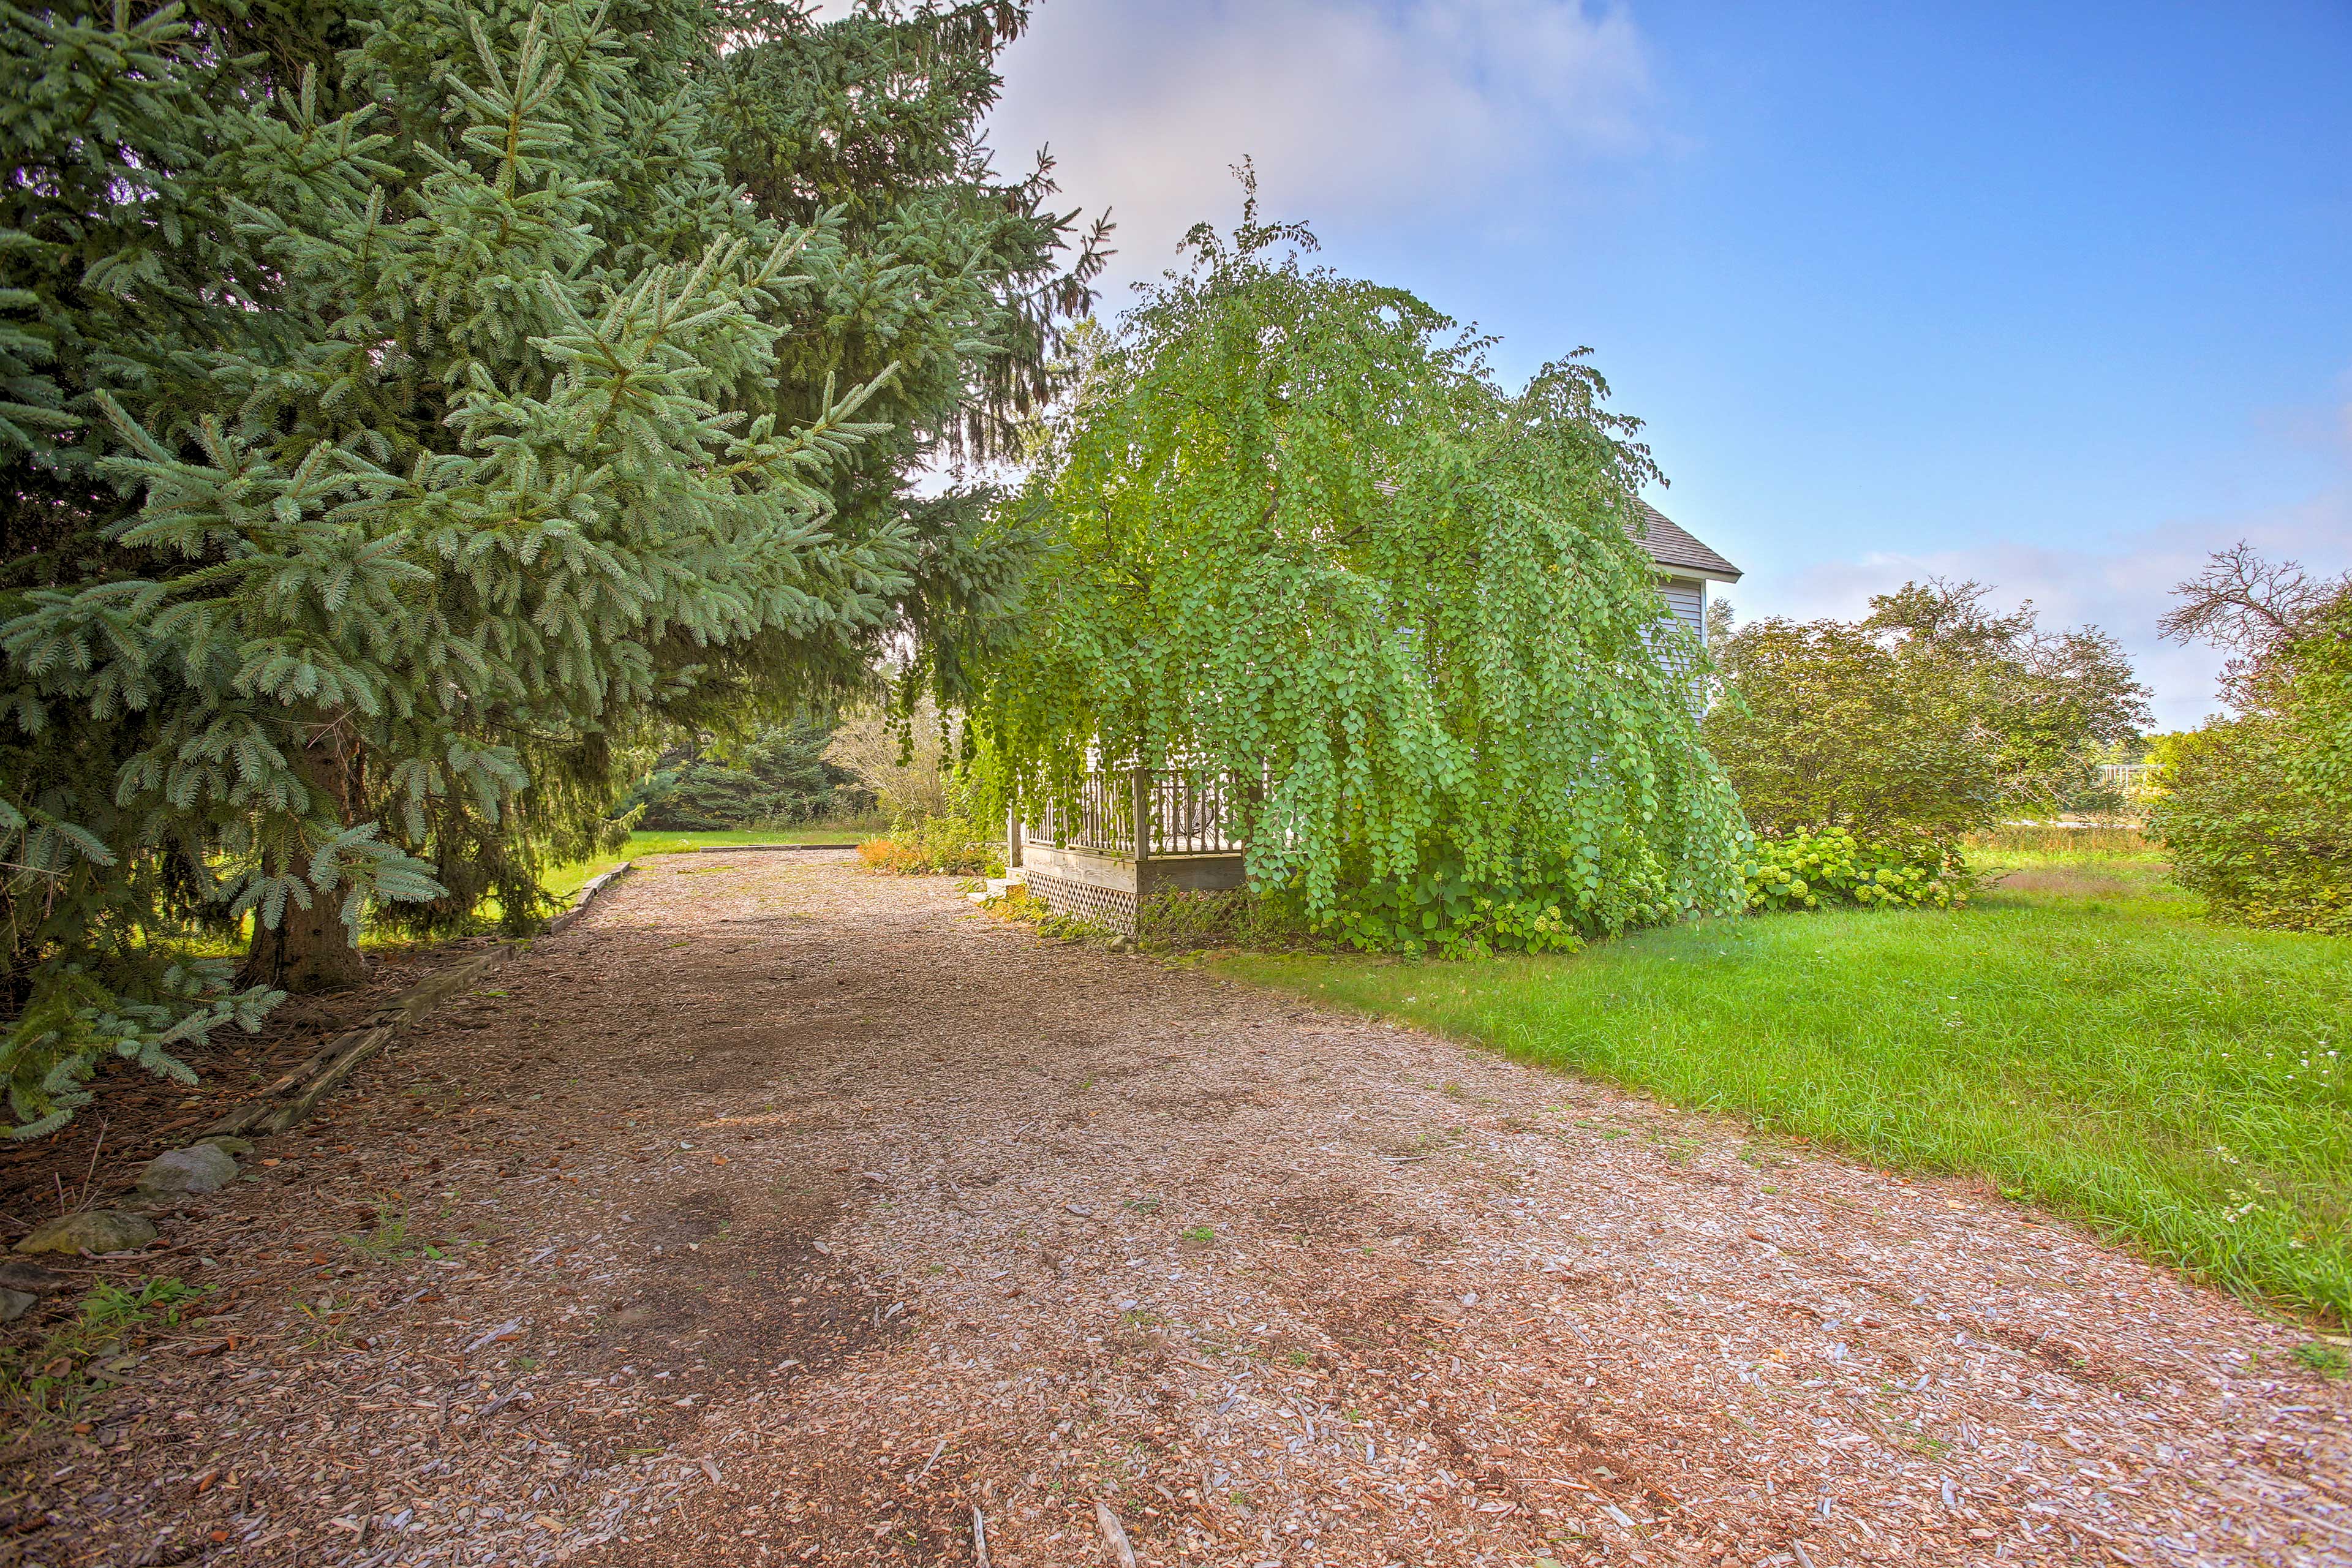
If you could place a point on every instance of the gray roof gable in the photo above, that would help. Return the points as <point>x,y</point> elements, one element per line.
<point>1672,548</point>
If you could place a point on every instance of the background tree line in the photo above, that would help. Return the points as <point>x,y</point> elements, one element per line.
<point>1934,718</point>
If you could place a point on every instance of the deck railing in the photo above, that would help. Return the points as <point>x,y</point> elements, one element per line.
<point>1186,811</point>
<point>1193,812</point>
<point>1102,819</point>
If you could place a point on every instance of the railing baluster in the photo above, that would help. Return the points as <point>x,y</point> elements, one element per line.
<point>1185,810</point>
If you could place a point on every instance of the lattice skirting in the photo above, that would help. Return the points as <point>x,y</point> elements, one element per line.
<point>1083,900</point>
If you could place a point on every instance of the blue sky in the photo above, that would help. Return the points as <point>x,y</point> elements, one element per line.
<point>2055,297</point>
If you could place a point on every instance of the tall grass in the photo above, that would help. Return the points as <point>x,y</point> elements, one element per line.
<point>2101,842</point>
<point>2090,1046</point>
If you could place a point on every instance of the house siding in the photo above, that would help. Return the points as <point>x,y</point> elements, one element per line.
<point>1686,602</point>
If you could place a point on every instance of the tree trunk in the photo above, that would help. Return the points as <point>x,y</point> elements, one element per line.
<point>310,950</point>
<point>313,949</point>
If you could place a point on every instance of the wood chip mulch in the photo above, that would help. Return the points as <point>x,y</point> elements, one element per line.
<point>782,1212</point>
<point>138,1115</point>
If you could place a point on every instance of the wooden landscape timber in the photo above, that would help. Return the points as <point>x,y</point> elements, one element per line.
<point>293,1097</point>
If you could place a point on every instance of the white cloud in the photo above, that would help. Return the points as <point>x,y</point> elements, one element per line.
<point>2120,585</point>
<point>1423,110</point>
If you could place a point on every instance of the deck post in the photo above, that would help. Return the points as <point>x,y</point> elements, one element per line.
<point>1012,837</point>
<point>1141,795</point>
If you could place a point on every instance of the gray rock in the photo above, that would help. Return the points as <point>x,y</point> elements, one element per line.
<point>198,1168</point>
<point>32,1276</point>
<point>92,1230</point>
<point>229,1143</point>
<point>15,1304</point>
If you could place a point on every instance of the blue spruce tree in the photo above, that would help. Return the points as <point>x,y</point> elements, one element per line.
<point>408,406</point>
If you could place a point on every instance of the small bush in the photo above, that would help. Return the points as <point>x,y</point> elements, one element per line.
<point>1442,911</point>
<point>945,845</point>
<point>1829,866</point>
<point>1018,903</point>
<point>1076,928</point>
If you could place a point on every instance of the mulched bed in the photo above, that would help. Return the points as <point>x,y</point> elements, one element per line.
<point>138,1115</point>
<point>787,1214</point>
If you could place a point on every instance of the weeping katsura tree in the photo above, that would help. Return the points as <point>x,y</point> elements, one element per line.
<point>1299,537</point>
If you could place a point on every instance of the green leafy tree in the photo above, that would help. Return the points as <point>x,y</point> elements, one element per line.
<point>1928,719</point>
<point>1824,724</point>
<point>2053,702</point>
<point>2256,809</point>
<point>1297,537</point>
<point>410,407</point>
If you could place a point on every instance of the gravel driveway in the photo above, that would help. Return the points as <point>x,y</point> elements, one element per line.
<point>791,1214</point>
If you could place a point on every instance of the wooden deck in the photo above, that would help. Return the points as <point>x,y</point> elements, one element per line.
<point>1089,863</point>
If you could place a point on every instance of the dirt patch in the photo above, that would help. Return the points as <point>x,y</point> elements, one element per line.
<point>781,1213</point>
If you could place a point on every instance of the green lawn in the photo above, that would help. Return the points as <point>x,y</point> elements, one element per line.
<point>2077,1037</point>
<point>565,880</point>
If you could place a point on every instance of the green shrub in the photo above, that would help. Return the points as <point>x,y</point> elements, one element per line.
<point>2257,810</point>
<point>2247,830</point>
<point>1822,870</point>
<point>1440,910</point>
